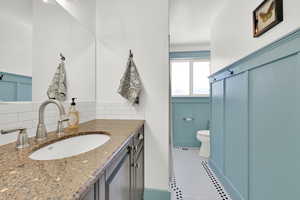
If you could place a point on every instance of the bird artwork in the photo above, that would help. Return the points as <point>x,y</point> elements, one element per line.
<point>265,16</point>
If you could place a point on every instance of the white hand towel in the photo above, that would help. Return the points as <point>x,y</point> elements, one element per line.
<point>130,84</point>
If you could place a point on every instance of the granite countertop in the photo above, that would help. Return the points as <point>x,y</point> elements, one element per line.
<point>63,179</point>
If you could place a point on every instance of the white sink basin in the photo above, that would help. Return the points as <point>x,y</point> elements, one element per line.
<point>70,147</point>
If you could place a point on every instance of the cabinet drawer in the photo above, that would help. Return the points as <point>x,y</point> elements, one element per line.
<point>90,195</point>
<point>100,188</point>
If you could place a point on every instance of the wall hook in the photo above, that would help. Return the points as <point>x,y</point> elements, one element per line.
<point>130,53</point>
<point>1,77</point>
<point>62,57</point>
<point>231,71</point>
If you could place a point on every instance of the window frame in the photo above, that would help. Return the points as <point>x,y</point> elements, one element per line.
<point>191,76</point>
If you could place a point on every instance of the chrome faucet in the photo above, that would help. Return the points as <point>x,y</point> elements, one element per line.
<point>41,132</point>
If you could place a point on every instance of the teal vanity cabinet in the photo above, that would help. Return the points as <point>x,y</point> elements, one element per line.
<point>138,167</point>
<point>118,177</point>
<point>189,114</point>
<point>123,177</point>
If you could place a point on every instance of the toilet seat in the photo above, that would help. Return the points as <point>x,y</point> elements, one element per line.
<point>203,133</point>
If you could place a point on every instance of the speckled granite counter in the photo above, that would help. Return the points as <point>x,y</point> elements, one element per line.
<point>63,179</point>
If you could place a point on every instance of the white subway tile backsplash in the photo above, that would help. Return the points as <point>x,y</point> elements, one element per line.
<point>25,115</point>
<point>14,108</point>
<point>8,118</point>
<point>119,111</point>
<point>28,124</point>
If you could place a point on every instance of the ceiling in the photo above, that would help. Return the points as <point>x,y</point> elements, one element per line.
<point>190,20</point>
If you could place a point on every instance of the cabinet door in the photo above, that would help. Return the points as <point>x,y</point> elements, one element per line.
<point>118,184</point>
<point>139,171</point>
<point>90,195</point>
<point>217,124</point>
<point>100,188</point>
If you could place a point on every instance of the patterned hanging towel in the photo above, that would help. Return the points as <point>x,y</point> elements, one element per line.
<point>130,84</point>
<point>58,87</point>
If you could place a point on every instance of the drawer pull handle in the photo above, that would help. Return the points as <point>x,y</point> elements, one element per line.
<point>141,137</point>
<point>188,119</point>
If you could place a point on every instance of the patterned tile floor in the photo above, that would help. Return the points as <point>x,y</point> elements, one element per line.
<point>193,178</point>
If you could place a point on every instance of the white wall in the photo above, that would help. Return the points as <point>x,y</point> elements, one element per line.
<point>142,26</point>
<point>56,31</point>
<point>16,37</point>
<point>190,47</point>
<point>82,10</point>
<point>190,21</point>
<point>232,33</point>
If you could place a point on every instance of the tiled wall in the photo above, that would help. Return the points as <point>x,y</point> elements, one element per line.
<point>25,115</point>
<point>119,111</point>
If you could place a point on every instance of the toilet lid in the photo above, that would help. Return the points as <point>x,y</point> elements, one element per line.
<point>203,133</point>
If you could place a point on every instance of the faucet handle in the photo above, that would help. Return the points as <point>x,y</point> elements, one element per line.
<point>22,140</point>
<point>60,126</point>
<point>63,120</point>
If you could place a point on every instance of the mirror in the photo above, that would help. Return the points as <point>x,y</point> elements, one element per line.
<point>33,34</point>
<point>16,50</point>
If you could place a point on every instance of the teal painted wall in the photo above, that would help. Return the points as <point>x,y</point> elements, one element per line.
<point>195,108</point>
<point>15,87</point>
<point>255,123</point>
<point>153,194</point>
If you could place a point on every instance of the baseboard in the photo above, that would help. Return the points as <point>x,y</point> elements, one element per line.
<point>154,194</point>
<point>230,189</point>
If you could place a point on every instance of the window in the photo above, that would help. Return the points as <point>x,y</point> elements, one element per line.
<point>190,77</point>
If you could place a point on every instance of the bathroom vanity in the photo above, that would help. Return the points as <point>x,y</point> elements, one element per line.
<point>123,178</point>
<point>112,171</point>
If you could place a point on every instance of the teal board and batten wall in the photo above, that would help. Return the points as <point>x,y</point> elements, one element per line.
<point>256,121</point>
<point>15,87</point>
<point>197,110</point>
<point>217,123</point>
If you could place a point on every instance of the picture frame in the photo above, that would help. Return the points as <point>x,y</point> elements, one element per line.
<point>267,15</point>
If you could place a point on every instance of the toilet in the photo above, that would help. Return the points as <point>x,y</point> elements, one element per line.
<point>204,137</point>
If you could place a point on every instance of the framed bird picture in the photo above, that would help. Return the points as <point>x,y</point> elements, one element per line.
<point>267,15</point>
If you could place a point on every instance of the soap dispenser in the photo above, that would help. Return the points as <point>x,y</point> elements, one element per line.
<point>73,115</point>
